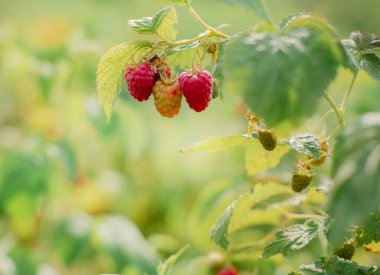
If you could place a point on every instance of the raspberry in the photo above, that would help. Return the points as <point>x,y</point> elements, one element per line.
<point>140,81</point>
<point>167,98</point>
<point>300,181</point>
<point>345,251</point>
<point>267,139</point>
<point>228,271</point>
<point>197,89</point>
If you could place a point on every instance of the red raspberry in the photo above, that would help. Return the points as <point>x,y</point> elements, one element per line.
<point>140,81</point>
<point>167,98</point>
<point>197,89</point>
<point>228,271</point>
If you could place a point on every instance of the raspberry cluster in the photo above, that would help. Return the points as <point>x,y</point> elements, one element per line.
<point>154,77</point>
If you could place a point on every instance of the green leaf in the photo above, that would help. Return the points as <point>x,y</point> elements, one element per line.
<point>162,23</point>
<point>352,55</point>
<point>369,231</point>
<point>110,72</point>
<point>219,231</point>
<point>173,2</point>
<point>214,144</point>
<point>282,76</point>
<point>356,175</point>
<point>182,56</point>
<point>306,144</point>
<point>164,268</point>
<point>336,265</point>
<point>294,237</point>
<point>258,160</point>
<point>363,40</point>
<point>123,241</point>
<point>370,63</point>
<point>72,238</point>
<point>256,5</point>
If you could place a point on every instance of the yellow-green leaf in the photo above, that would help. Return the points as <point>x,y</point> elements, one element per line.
<point>258,160</point>
<point>167,29</point>
<point>111,71</point>
<point>214,144</point>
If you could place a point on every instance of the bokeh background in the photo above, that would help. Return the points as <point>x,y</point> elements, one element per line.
<point>80,196</point>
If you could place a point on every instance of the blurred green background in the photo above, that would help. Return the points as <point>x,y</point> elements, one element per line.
<point>80,196</point>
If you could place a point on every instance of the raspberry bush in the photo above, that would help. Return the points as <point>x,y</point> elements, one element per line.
<point>308,180</point>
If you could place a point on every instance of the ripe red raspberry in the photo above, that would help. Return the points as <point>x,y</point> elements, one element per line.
<point>167,98</point>
<point>228,271</point>
<point>140,81</point>
<point>197,89</point>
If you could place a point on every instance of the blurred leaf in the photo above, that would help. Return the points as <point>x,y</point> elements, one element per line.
<point>26,174</point>
<point>256,5</point>
<point>174,2</point>
<point>294,237</point>
<point>336,265</point>
<point>356,174</point>
<point>125,244</point>
<point>282,76</point>
<point>306,144</point>
<point>369,231</point>
<point>72,238</point>
<point>110,73</point>
<point>162,23</point>
<point>164,268</point>
<point>68,158</point>
<point>219,231</point>
<point>214,144</point>
<point>370,63</point>
<point>258,160</point>
<point>24,261</point>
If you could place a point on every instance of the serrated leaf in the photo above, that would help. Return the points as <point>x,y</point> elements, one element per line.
<point>182,56</point>
<point>173,2</point>
<point>214,144</point>
<point>162,23</point>
<point>110,72</point>
<point>356,175</point>
<point>256,5</point>
<point>306,144</point>
<point>258,160</point>
<point>352,54</point>
<point>165,267</point>
<point>369,231</point>
<point>294,237</point>
<point>282,76</point>
<point>219,231</point>
<point>335,265</point>
<point>370,63</point>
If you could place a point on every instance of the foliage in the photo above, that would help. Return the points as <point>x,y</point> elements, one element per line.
<point>84,192</point>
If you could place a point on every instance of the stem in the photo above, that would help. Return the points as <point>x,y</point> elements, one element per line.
<point>335,109</point>
<point>189,41</point>
<point>347,95</point>
<point>214,31</point>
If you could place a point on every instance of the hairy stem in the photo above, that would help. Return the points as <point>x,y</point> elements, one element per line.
<point>214,31</point>
<point>347,95</point>
<point>335,109</point>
